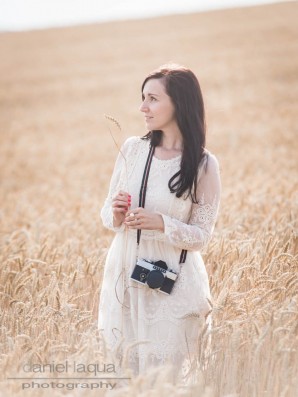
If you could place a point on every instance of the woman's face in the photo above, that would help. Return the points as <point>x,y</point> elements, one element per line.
<point>157,106</point>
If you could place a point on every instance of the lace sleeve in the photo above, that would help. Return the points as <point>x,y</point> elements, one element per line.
<point>197,233</point>
<point>115,185</point>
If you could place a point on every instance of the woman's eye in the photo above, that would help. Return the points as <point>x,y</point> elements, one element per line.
<point>150,99</point>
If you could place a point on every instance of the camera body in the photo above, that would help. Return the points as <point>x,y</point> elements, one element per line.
<point>155,274</point>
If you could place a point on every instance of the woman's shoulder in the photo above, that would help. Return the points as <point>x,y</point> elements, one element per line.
<point>133,146</point>
<point>211,160</point>
<point>134,141</point>
<point>211,155</point>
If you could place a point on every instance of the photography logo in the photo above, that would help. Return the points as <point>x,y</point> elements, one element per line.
<point>69,376</point>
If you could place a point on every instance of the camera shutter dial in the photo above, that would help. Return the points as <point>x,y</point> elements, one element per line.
<point>143,276</point>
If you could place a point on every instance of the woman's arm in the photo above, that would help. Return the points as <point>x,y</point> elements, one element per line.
<point>192,236</point>
<point>197,233</point>
<point>116,184</point>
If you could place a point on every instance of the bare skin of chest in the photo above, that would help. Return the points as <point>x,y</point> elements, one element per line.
<point>166,154</point>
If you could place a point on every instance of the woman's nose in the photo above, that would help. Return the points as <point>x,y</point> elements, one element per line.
<point>143,107</point>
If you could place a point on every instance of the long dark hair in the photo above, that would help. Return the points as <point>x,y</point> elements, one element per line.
<point>183,88</point>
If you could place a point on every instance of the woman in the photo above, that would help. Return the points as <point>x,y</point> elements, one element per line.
<point>181,208</point>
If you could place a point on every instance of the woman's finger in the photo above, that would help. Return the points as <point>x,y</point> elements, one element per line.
<point>134,219</point>
<point>136,225</point>
<point>120,203</point>
<point>120,210</point>
<point>131,216</point>
<point>123,195</point>
<point>119,198</point>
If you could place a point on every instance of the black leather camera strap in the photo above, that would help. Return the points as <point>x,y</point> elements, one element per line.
<point>142,196</point>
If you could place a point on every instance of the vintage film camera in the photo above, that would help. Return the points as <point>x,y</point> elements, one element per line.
<point>155,274</point>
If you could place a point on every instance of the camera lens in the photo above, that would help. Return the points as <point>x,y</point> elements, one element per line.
<point>155,279</point>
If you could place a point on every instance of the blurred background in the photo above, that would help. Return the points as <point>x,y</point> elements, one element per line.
<point>38,14</point>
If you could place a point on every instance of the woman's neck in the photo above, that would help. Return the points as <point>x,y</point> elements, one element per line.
<point>171,140</point>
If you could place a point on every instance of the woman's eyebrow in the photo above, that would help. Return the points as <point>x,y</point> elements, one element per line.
<point>151,94</point>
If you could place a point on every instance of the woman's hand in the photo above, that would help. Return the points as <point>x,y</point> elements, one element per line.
<point>140,218</point>
<point>120,204</point>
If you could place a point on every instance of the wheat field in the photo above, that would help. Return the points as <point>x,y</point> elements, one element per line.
<point>56,159</point>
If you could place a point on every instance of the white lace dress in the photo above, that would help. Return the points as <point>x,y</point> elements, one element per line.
<point>165,325</point>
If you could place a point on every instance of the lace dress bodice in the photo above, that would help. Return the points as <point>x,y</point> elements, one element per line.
<point>187,225</point>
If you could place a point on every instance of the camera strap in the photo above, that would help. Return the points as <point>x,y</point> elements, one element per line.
<point>142,196</point>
